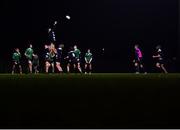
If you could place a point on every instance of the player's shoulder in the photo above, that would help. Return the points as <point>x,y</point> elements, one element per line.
<point>28,49</point>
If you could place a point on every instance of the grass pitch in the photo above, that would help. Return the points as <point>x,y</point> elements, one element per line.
<point>90,101</point>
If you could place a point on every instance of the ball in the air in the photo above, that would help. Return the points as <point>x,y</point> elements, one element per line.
<point>68,17</point>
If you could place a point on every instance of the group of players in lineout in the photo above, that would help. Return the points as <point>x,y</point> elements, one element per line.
<point>53,58</point>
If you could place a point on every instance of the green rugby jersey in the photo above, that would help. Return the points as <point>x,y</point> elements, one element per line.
<point>29,53</point>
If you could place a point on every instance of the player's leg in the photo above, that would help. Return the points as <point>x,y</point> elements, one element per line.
<point>142,68</point>
<point>79,67</point>
<point>85,68</point>
<point>58,66</point>
<point>68,68</point>
<point>136,67</point>
<point>20,69</point>
<point>47,66</point>
<point>13,68</point>
<point>36,69</point>
<point>141,65</point>
<point>74,67</point>
<point>30,66</point>
<point>53,68</point>
<point>163,68</point>
<point>90,68</point>
<point>158,66</point>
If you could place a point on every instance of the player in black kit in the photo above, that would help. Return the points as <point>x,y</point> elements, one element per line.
<point>59,58</point>
<point>71,59</point>
<point>51,33</point>
<point>159,59</point>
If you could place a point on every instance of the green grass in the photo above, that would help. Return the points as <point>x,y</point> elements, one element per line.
<point>111,76</point>
<point>90,101</point>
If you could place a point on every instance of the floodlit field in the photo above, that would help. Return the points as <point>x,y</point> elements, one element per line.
<point>90,101</point>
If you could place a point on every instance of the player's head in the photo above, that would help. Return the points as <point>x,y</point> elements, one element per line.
<point>49,30</point>
<point>136,46</point>
<point>17,49</point>
<point>55,22</point>
<point>30,45</point>
<point>52,45</point>
<point>88,50</point>
<point>75,47</point>
<point>158,47</point>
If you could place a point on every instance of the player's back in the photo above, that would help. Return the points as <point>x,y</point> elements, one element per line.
<point>59,53</point>
<point>71,55</point>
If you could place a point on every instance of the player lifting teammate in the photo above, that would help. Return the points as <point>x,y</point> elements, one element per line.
<point>88,61</point>
<point>138,61</point>
<point>29,56</point>
<point>46,57</point>
<point>159,59</point>
<point>59,58</point>
<point>16,60</point>
<point>50,58</point>
<point>71,60</point>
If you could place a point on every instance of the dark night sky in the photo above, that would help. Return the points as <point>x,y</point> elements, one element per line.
<point>109,24</point>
